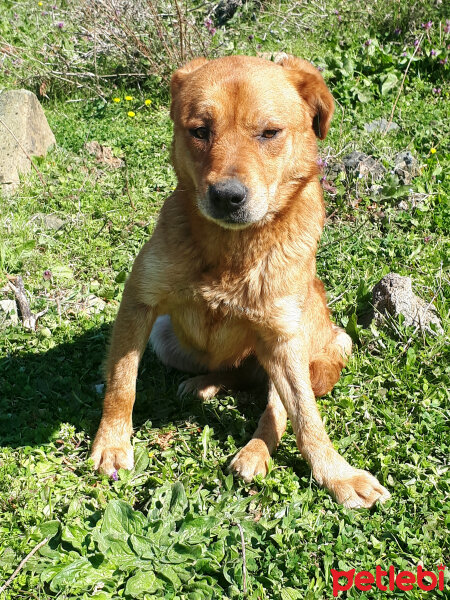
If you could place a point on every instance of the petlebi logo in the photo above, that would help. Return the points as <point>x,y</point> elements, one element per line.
<point>388,580</point>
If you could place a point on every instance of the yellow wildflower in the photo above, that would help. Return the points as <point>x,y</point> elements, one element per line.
<point>433,150</point>
<point>116,99</point>
<point>131,113</point>
<point>128,98</point>
<point>40,3</point>
<point>148,102</point>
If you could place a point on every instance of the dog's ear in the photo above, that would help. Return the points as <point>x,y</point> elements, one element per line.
<point>312,88</point>
<point>180,75</point>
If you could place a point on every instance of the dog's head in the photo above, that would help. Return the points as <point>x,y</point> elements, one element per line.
<point>244,133</point>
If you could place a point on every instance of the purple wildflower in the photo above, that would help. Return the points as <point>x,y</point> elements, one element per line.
<point>443,61</point>
<point>447,26</point>
<point>416,43</point>
<point>427,25</point>
<point>367,43</point>
<point>47,275</point>
<point>397,31</point>
<point>437,91</point>
<point>433,52</point>
<point>114,475</point>
<point>404,54</point>
<point>250,37</point>
<point>60,25</point>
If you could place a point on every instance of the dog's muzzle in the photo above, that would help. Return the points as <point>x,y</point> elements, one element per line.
<point>228,202</point>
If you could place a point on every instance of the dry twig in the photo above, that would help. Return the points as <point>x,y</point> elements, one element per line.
<point>22,564</point>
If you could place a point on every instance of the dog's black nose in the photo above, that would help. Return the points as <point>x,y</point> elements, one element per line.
<point>227,196</point>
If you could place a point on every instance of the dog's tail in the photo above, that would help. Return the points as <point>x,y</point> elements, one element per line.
<point>326,366</point>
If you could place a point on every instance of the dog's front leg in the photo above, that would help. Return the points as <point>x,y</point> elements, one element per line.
<point>287,364</point>
<point>112,448</point>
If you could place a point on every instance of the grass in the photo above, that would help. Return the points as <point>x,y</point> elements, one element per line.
<point>172,527</point>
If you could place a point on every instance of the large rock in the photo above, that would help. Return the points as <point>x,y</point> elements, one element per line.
<point>393,295</point>
<point>23,131</point>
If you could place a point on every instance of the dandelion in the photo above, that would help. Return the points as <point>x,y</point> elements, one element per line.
<point>40,3</point>
<point>131,113</point>
<point>433,151</point>
<point>116,100</point>
<point>147,102</point>
<point>427,25</point>
<point>128,98</point>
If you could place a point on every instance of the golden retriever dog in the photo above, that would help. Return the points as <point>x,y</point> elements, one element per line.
<point>227,284</point>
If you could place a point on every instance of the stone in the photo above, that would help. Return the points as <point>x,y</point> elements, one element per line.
<point>24,132</point>
<point>103,154</point>
<point>380,125</point>
<point>405,167</point>
<point>48,221</point>
<point>8,313</point>
<point>225,10</point>
<point>363,165</point>
<point>393,296</point>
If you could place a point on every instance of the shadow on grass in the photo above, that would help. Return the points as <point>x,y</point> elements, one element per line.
<point>40,391</point>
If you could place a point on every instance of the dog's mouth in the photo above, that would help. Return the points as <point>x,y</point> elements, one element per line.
<point>229,203</point>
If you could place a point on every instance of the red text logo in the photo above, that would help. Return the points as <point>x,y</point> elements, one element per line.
<point>388,580</point>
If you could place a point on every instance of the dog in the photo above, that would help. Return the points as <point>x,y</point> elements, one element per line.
<point>227,286</point>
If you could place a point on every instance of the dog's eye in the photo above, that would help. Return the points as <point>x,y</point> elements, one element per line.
<point>267,134</point>
<point>201,133</point>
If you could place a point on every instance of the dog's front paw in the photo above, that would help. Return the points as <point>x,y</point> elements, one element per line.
<point>111,453</point>
<point>359,489</point>
<point>252,460</point>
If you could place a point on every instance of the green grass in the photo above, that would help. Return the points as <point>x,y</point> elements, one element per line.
<point>171,527</point>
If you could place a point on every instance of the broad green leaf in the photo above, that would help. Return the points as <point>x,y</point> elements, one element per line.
<point>143,546</point>
<point>389,82</point>
<point>167,572</point>
<point>143,581</point>
<point>178,501</point>
<point>141,459</point>
<point>291,594</point>
<point>121,518</point>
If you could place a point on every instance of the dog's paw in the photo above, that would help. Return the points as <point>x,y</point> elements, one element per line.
<point>252,460</point>
<point>358,490</point>
<point>201,386</point>
<point>111,455</point>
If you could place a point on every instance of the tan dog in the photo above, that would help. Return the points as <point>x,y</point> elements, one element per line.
<point>228,280</point>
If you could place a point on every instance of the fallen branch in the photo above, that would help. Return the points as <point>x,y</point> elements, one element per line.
<point>244,562</point>
<point>22,564</point>
<point>29,320</point>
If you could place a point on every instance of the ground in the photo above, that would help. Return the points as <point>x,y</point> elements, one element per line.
<point>178,525</point>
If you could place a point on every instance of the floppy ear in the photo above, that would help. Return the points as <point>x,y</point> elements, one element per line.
<point>312,87</point>
<point>180,75</point>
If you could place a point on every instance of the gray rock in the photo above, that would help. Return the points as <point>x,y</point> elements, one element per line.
<point>380,125</point>
<point>48,221</point>
<point>363,165</point>
<point>23,130</point>
<point>405,167</point>
<point>8,313</point>
<point>393,295</point>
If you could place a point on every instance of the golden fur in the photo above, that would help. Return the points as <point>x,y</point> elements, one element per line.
<point>236,296</point>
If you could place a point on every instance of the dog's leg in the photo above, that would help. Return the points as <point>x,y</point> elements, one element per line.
<point>112,448</point>
<point>254,457</point>
<point>286,363</point>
